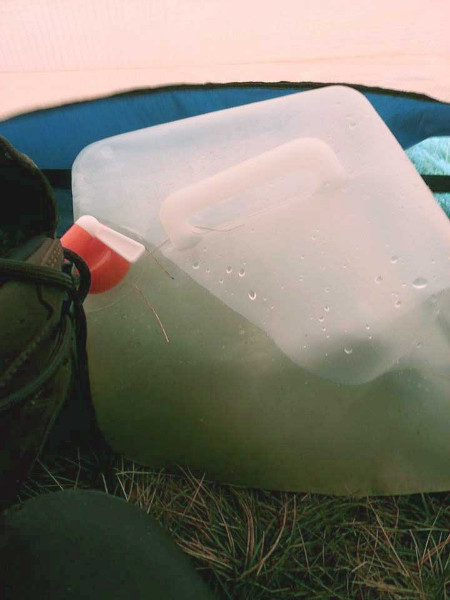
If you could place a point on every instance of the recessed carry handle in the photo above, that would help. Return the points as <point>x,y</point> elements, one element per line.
<point>308,154</point>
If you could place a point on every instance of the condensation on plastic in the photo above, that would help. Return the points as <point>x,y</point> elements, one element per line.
<point>300,269</point>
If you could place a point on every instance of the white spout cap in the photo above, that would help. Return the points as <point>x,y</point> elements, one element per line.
<point>124,246</point>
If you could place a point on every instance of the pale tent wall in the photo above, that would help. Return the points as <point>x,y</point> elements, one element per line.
<point>56,52</point>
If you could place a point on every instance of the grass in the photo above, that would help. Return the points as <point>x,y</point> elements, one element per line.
<point>255,544</point>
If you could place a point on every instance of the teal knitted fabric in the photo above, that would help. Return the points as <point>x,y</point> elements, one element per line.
<point>432,156</point>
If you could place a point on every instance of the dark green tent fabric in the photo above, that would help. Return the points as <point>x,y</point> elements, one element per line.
<point>85,544</point>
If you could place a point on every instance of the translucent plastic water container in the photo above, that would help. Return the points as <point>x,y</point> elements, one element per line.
<point>288,322</point>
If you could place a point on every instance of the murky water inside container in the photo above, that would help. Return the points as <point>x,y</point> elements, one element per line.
<point>217,372</point>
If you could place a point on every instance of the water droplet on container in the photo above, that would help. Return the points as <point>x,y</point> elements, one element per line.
<point>324,328</point>
<point>264,299</point>
<point>369,337</point>
<point>327,290</point>
<point>394,259</point>
<point>252,295</point>
<point>221,280</point>
<point>196,265</point>
<point>367,327</point>
<point>229,269</point>
<point>326,308</point>
<point>272,307</point>
<point>321,319</point>
<point>348,350</point>
<point>328,336</point>
<point>398,304</point>
<point>241,272</point>
<point>208,270</point>
<point>419,345</point>
<point>302,257</point>
<point>420,283</point>
<point>300,279</point>
<point>379,279</point>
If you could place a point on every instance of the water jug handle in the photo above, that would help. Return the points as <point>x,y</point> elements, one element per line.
<point>309,154</point>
